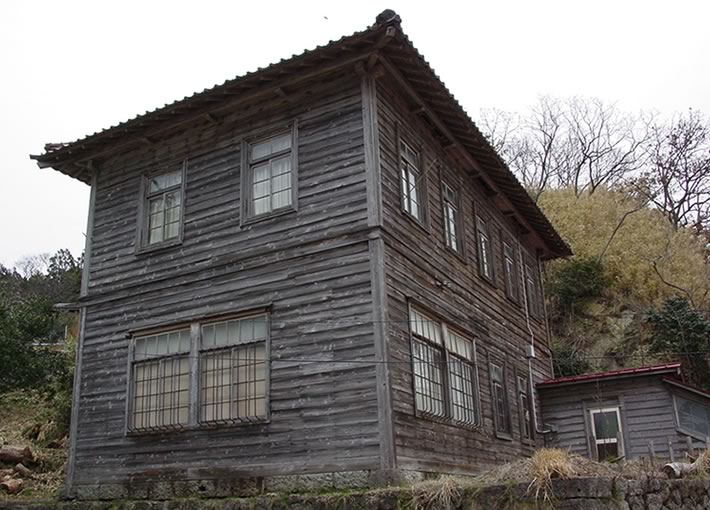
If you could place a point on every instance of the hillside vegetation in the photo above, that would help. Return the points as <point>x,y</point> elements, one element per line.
<point>630,193</point>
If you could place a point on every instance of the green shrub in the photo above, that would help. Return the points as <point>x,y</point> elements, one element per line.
<point>575,282</point>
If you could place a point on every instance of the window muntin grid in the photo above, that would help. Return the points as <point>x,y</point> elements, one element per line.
<point>409,177</point>
<point>271,174</point>
<point>163,207</point>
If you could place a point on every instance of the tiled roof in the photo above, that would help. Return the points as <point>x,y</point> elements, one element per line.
<point>398,50</point>
<point>668,368</point>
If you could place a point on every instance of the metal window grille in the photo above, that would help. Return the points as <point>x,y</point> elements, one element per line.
<point>462,377</point>
<point>500,399</point>
<point>409,168</point>
<point>428,378</point>
<point>463,391</point>
<point>445,376</point>
<point>233,368</point>
<point>451,218</point>
<point>163,207</point>
<point>160,383</point>
<point>270,168</point>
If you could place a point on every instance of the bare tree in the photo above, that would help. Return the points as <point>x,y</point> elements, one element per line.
<point>32,265</point>
<point>677,180</point>
<point>578,143</point>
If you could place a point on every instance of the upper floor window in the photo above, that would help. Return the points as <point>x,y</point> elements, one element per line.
<point>410,176</point>
<point>499,395</point>
<point>451,218</point>
<point>485,250</point>
<point>444,369</point>
<point>510,269</point>
<point>533,292</point>
<point>163,207</point>
<point>270,179</point>
<point>221,365</point>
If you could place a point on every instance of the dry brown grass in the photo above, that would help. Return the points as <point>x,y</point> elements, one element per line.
<point>24,423</point>
<point>443,493</point>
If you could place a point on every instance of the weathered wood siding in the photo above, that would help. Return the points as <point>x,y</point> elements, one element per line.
<point>646,409</point>
<point>419,266</point>
<point>312,267</point>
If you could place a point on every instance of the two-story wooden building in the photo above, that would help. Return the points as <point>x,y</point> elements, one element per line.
<point>320,269</point>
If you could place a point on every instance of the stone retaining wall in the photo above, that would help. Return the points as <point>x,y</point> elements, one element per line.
<point>576,494</point>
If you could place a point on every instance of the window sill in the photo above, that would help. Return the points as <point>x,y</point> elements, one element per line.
<point>460,255</point>
<point>195,428</point>
<point>488,279</point>
<point>419,223</point>
<point>158,247</point>
<point>504,436</point>
<point>447,421</point>
<point>688,433</point>
<point>267,216</point>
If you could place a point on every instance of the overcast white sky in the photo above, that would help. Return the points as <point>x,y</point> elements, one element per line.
<point>70,68</point>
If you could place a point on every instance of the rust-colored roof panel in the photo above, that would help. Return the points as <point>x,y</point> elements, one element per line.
<point>667,368</point>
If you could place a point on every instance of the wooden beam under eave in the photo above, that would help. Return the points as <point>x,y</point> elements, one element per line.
<point>256,93</point>
<point>436,122</point>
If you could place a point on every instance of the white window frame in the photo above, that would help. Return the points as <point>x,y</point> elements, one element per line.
<point>619,441</point>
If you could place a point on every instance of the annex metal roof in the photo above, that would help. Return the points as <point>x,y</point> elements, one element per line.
<point>668,368</point>
<point>385,38</point>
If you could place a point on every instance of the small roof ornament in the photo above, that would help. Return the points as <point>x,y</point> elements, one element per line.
<point>388,17</point>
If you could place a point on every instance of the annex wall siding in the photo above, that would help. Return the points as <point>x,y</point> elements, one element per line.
<point>646,408</point>
<point>419,266</point>
<point>311,267</point>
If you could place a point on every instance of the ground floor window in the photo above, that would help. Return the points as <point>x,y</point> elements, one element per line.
<point>444,370</point>
<point>607,433</point>
<point>693,417</point>
<point>210,372</point>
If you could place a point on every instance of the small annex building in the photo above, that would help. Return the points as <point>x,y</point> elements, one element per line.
<point>626,413</point>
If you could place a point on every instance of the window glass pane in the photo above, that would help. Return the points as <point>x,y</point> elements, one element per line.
<point>459,345</point>
<point>261,205</point>
<point>164,181</point>
<point>693,416</point>
<point>220,334</point>
<point>261,173</point>
<point>281,199</point>
<point>280,166</point>
<point>262,189</point>
<point>607,451</point>
<point>273,145</point>
<point>425,326</point>
<point>606,425</point>
<point>463,392</point>
<point>281,182</point>
<point>409,154</point>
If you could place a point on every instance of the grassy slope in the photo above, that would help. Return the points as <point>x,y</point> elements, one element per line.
<point>25,420</point>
